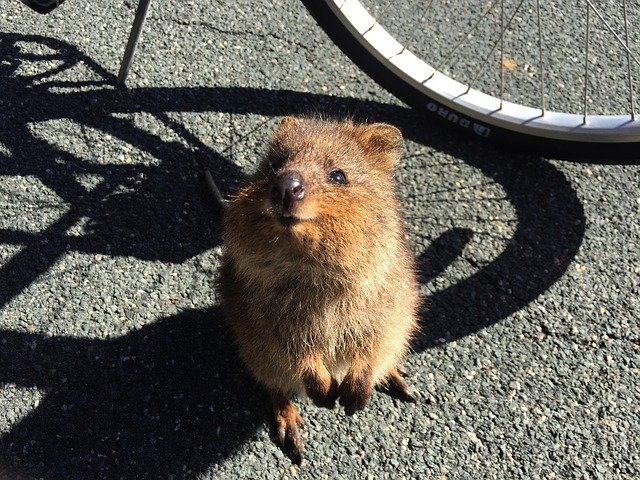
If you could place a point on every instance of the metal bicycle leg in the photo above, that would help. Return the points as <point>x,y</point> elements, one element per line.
<point>134,36</point>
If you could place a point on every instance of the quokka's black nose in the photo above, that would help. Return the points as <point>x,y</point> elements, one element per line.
<point>287,189</point>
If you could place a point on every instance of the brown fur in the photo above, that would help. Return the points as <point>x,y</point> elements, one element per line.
<point>326,305</point>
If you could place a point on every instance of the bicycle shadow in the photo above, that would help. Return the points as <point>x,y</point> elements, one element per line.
<point>163,401</point>
<point>170,399</point>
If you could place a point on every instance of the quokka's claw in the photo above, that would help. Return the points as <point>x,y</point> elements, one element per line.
<point>398,387</point>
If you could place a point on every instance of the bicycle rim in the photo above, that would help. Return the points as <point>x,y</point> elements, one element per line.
<point>396,68</point>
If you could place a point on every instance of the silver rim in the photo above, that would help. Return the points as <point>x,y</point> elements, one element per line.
<point>461,104</point>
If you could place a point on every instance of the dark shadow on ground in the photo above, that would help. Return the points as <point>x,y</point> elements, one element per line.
<point>549,231</point>
<point>149,404</point>
<point>162,402</point>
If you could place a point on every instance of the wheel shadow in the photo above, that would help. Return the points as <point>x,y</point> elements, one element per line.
<point>550,226</point>
<point>170,399</point>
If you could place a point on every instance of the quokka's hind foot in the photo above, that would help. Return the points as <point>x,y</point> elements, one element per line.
<point>288,420</point>
<point>319,385</point>
<point>356,386</point>
<point>397,387</point>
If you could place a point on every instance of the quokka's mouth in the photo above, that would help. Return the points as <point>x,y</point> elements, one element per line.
<point>288,221</point>
<point>288,217</point>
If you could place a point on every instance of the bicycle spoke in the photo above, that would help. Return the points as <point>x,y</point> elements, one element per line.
<point>448,57</point>
<point>376,17</point>
<point>586,67</point>
<point>625,46</point>
<point>626,39</point>
<point>542,106</point>
<point>412,37</point>
<point>493,48</point>
<point>617,37</point>
<point>501,53</point>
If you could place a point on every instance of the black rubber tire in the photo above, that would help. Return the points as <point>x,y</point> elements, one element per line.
<point>369,64</point>
<point>43,6</point>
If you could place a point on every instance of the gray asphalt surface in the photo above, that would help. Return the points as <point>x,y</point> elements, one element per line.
<point>113,360</point>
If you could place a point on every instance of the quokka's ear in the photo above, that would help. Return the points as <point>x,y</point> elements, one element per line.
<point>383,141</point>
<point>287,123</point>
<point>284,130</point>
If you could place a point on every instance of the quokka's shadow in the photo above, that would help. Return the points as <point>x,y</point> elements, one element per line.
<point>170,399</point>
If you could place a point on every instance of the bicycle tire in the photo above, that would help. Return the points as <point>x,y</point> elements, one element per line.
<point>43,6</point>
<point>619,144</point>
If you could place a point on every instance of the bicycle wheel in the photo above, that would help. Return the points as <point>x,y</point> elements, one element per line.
<point>468,101</point>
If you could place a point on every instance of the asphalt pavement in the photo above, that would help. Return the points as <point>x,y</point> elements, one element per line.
<point>114,363</point>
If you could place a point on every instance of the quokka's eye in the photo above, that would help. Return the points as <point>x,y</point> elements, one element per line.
<point>338,176</point>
